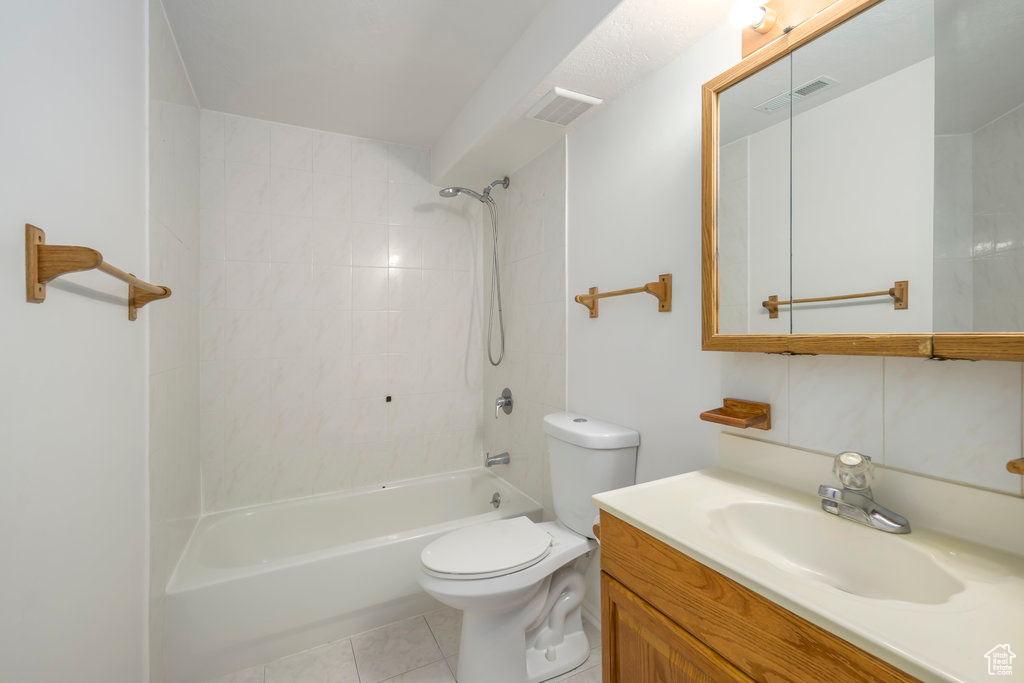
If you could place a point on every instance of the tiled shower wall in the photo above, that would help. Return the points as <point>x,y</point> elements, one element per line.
<point>174,488</point>
<point>340,326</point>
<point>998,173</point>
<point>531,243</point>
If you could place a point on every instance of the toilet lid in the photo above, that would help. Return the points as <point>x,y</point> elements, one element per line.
<point>486,550</point>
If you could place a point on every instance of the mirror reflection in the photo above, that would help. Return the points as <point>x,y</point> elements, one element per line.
<point>888,151</point>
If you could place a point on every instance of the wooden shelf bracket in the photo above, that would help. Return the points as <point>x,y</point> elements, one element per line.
<point>662,290</point>
<point>736,412</point>
<point>44,262</point>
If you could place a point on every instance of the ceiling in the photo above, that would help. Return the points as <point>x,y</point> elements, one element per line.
<point>397,70</point>
<point>628,41</point>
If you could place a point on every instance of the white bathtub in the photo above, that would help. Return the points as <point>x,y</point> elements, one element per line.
<point>261,582</point>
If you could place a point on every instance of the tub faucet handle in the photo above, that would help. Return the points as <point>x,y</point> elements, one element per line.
<point>503,402</point>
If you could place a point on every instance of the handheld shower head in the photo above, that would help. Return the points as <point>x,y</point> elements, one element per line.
<point>449,192</point>
<point>456,191</point>
<point>492,206</point>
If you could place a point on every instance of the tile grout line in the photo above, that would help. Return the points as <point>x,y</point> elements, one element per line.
<point>440,649</point>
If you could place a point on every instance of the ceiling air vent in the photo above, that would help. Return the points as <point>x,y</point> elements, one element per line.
<point>809,88</point>
<point>561,106</point>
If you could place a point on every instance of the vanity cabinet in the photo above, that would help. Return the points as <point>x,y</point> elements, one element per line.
<point>666,617</point>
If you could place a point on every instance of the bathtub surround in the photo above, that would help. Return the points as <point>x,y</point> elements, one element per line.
<point>332,278</point>
<point>73,408</point>
<point>531,234</point>
<point>174,480</point>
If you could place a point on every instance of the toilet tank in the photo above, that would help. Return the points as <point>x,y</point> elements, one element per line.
<point>587,457</point>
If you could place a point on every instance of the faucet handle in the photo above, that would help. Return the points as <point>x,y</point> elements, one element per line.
<point>853,470</point>
<point>503,402</point>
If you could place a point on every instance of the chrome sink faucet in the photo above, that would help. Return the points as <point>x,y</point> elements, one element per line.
<point>854,500</point>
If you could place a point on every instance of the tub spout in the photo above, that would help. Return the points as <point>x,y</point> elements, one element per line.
<point>499,459</point>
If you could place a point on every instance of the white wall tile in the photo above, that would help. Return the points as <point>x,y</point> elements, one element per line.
<point>305,328</point>
<point>369,159</point>
<point>836,404</point>
<point>332,287</point>
<point>370,200</point>
<point>211,134</point>
<point>248,236</point>
<point>291,192</point>
<point>957,420</point>
<point>247,187</point>
<point>332,153</point>
<point>370,289</point>
<point>405,247</point>
<point>331,195</point>
<point>291,240</point>
<point>369,244</point>
<point>246,141</point>
<point>291,147</point>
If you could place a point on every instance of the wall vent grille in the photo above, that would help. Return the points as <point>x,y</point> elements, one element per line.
<point>561,107</point>
<point>812,87</point>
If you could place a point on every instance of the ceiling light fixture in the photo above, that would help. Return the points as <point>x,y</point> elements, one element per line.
<point>752,14</point>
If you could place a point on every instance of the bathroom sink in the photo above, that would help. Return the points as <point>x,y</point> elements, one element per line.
<point>847,556</point>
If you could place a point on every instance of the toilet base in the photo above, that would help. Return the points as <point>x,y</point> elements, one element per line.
<point>568,654</point>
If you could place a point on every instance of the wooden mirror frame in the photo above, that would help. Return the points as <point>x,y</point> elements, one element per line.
<point>970,345</point>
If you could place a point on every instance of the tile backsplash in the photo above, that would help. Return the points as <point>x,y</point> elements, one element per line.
<point>339,335</point>
<point>955,420</point>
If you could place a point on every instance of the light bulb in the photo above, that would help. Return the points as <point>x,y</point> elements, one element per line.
<point>746,13</point>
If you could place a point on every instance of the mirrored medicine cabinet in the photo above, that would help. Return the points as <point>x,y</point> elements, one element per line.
<point>863,188</point>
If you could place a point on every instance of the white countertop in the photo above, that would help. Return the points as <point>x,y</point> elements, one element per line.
<point>946,641</point>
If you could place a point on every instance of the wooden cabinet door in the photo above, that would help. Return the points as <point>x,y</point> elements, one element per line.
<point>641,645</point>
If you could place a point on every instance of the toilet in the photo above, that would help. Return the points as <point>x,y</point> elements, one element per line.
<point>520,584</point>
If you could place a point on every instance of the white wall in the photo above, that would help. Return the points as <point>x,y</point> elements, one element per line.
<point>174,479</point>
<point>74,390</point>
<point>634,212</point>
<point>842,243</point>
<point>332,276</point>
<point>531,244</point>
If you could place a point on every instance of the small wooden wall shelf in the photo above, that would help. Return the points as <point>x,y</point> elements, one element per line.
<point>735,412</point>
<point>662,290</point>
<point>44,262</point>
<point>1016,466</point>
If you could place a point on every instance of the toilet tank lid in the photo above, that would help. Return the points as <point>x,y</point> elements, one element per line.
<point>587,433</point>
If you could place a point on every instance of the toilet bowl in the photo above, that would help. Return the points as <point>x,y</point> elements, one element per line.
<point>520,584</point>
<point>509,612</point>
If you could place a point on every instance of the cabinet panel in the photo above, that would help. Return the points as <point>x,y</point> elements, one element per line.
<point>754,634</point>
<point>642,646</point>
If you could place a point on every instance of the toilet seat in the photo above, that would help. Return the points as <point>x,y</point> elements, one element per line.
<point>488,550</point>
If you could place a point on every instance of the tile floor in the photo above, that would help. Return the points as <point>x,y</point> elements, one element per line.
<point>422,649</point>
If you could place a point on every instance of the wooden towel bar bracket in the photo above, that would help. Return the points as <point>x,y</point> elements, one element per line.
<point>44,262</point>
<point>662,290</point>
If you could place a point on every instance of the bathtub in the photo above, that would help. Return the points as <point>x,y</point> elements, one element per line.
<point>258,583</point>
